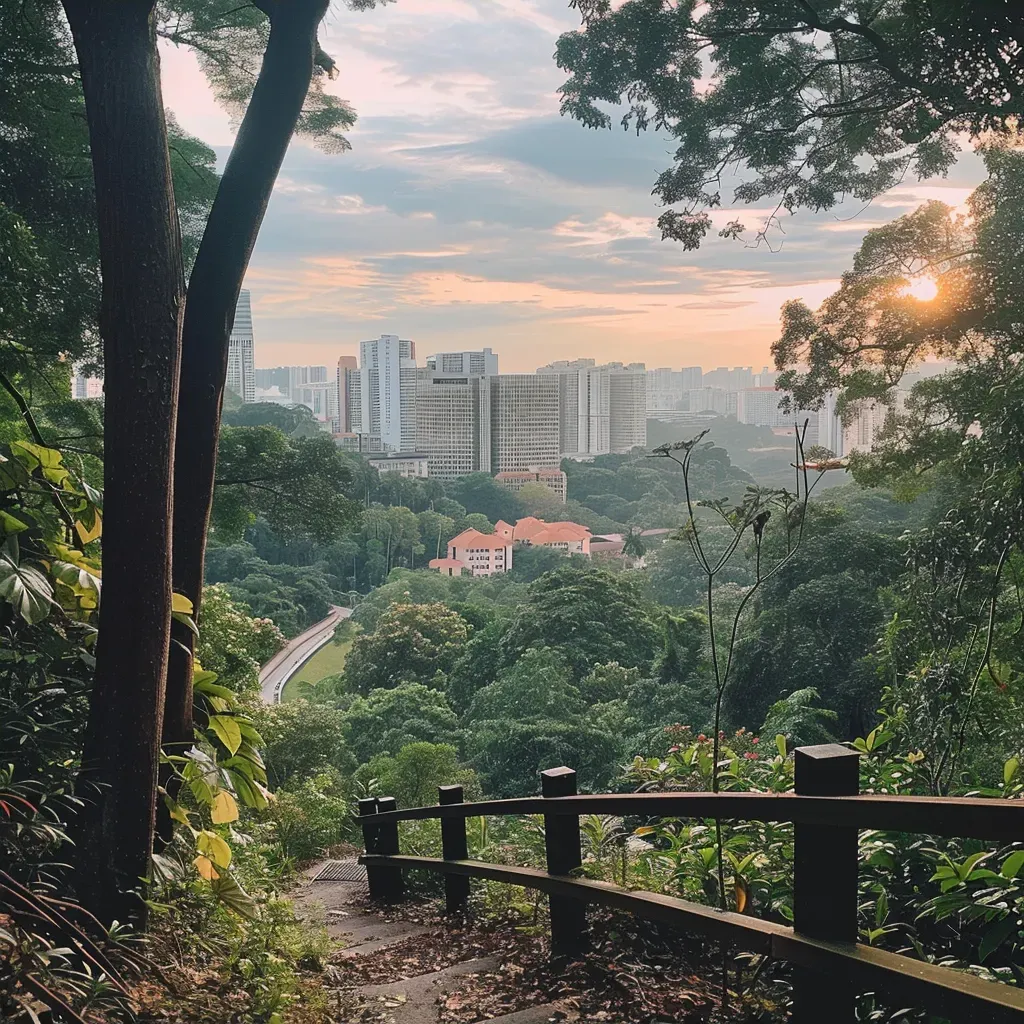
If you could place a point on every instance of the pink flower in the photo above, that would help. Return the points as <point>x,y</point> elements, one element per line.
<point>673,750</point>
<point>755,740</point>
<point>750,755</point>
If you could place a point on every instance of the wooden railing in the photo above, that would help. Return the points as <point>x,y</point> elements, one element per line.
<point>831,967</point>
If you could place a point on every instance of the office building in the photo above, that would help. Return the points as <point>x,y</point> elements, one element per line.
<point>524,422</point>
<point>411,465</point>
<point>387,385</point>
<point>553,479</point>
<point>482,363</point>
<point>241,376</point>
<point>453,424</point>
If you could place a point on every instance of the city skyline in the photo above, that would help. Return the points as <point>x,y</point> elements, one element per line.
<point>469,213</point>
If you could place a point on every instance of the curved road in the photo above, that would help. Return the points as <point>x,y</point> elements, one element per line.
<point>283,665</point>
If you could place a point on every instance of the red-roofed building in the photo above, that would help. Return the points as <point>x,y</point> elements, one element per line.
<point>563,536</point>
<point>481,554</point>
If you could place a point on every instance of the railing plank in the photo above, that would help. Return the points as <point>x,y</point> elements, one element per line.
<point>958,817</point>
<point>950,994</point>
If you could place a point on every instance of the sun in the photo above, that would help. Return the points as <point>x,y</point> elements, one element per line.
<point>924,289</point>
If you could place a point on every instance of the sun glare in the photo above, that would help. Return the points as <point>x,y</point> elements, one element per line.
<point>924,289</point>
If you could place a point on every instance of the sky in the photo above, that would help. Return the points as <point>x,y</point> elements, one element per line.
<point>469,213</point>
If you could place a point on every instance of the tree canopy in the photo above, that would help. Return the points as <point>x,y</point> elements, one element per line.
<point>800,102</point>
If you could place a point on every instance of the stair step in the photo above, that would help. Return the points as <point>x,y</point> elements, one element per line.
<point>414,1000</point>
<point>531,1015</point>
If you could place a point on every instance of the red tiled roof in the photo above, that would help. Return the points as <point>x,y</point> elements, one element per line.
<point>475,539</point>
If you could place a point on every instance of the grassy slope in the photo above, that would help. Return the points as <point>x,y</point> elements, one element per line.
<point>328,661</point>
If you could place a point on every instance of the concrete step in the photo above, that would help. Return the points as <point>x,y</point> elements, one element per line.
<point>414,1000</point>
<point>531,1015</point>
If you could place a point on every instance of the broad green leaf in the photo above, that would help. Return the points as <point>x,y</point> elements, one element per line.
<point>24,587</point>
<point>223,809</point>
<point>186,620</point>
<point>1010,769</point>
<point>10,524</point>
<point>233,896</point>
<point>780,744</point>
<point>996,936</point>
<point>180,603</point>
<point>227,731</point>
<point>1012,865</point>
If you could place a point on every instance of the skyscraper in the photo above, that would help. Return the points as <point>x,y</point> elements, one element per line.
<point>584,406</point>
<point>524,422</point>
<point>345,376</point>
<point>241,378</point>
<point>453,424</point>
<point>627,407</point>
<point>387,372</point>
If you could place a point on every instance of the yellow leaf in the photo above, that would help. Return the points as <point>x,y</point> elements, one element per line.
<point>177,812</point>
<point>211,845</point>
<point>224,809</point>
<point>180,603</point>
<point>86,534</point>
<point>205,868</point>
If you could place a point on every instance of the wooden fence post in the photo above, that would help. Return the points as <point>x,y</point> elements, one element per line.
<point>454,847</point>
<point>367,810</point>
<point>392,885</point>
<point>564,855</point>
<point>824,880</point>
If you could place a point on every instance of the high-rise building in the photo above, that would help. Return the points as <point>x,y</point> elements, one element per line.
<point>387,372</point>
<point>524,422</point>
<point>346,385</point>
<point>729,380</point>
<point>241,377</point>
<point>708,399</point>
<point>627,407</point>
<point>453,424</point>
<point>584,407</point>
<point>482,363</point>
<point>666,387</point>
<point>85,387</point>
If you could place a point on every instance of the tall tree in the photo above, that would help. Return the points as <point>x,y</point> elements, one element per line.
<point>140,324</point>
<point>809,101</point>
<point>278,105</point>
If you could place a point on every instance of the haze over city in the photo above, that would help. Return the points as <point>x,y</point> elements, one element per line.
<point>468,212</point>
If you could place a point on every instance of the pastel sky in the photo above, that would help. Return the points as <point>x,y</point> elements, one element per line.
<point>469,213</point>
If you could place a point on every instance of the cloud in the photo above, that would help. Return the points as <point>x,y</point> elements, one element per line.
<point>469,212</point>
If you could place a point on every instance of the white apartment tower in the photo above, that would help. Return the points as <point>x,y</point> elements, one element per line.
<point>481,363</point>
<point>627,407</point>
<point>387,391</point>
<point>241,378</point>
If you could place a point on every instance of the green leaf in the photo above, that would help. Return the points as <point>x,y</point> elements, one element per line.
<point>10,524</point>
<point>24,587</point>
<point>233,896</point>
<point>1012,865</point>
<point>1010,770</point>
<point>780,744</point>
<point>996,936</point>
<point>227,731</point>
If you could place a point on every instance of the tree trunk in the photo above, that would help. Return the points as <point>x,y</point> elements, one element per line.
<point>216,280</point>
<point>140,324</point>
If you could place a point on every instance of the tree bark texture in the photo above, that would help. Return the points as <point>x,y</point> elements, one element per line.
<point>215,282</point>
<point>140,324</point>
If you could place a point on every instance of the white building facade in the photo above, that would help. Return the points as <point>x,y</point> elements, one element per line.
<point>241,376</point>
<point>387,386</point>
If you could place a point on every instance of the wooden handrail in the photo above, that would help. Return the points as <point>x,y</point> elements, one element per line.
<point>959,817</point>
<point>830,966</point>
<point>937,989</point>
